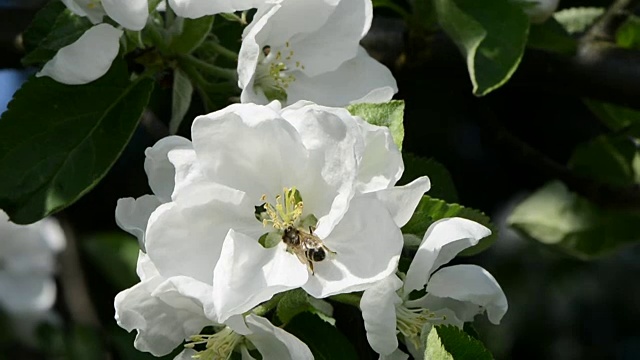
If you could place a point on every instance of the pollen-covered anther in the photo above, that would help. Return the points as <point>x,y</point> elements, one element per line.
<point>218,346</point>
<point>284,213</point>
<point>410,322</point>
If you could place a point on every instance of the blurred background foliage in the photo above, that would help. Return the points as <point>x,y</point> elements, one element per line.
<point>551,153</point>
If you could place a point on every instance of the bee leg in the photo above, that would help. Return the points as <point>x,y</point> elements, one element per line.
<point>329,250</point>
<point>310,266</point>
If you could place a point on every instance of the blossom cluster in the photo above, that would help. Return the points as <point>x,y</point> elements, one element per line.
<point>285,191</point>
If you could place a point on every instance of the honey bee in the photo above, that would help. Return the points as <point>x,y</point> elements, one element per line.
<point>306,246</point>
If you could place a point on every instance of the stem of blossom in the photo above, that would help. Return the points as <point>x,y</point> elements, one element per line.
<point>203,84</point>
<point>352,299</point>
<point>157,37</point>
<point>215,47</point>
<point>153,4</point>
<point>264,308</point>
<point>229,74</point>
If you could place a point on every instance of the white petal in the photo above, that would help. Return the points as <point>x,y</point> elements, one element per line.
<point>131,14</point>
<point>441,243</point>
<point>87,59</point>
<point>161,327</point>
<point>188,173</point>
<point>145,268</point>
<point>186,354</point>
<point>24,293</point>
<point>361,79</point>
<point>29,249</point>
<point>199,8</point>
<point>251,148</point>
<point>160,171</point>
<point>367,245</point>
<point>396,355</point>
<point>471,284</point>
<point>451,311</point>
<point>381,163</point>
<point>132,215</point>
<point>401,201</point>
<point>378,306</point>
<point>332,137</point>
<point>185,237</point>
<point>275,343</point>
<point>82,8</point>
<point>248,274</point>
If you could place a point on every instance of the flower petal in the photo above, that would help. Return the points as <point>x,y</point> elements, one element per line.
<point>248,274</point>
<point>396,355</point>
<point>131,14</point>
<point>160,326</point>
<point>198,8</point>
<point>474,286</point>
<point>378,306</point>
<point>186,354</point>
<point>160,171</point>
<point>358,80</point>
<point>401,201</point>
<point>87,59</point>
<point>367,245</point>
<point>132,215</point>
<point>24,293</point>
<point>275,343</point>
<point>94,13</point>
<point>441,243</point>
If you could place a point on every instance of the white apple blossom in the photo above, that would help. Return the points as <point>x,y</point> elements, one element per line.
<point>164,317</point>
<point>27,264</point>
<point>131,14</point>
<point>198,8</point>
<point>309,50</point>
<point>454,294</point>
<point>333,167</point>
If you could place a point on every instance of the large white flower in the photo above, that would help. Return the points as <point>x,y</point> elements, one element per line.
<point>164,316</point>
<point>309,50</point>
<point>334,168</point>
<point>27,264</point>
<point>198,8</point>
<point>454,294</point>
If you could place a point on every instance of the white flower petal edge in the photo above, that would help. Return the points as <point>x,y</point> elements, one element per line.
<point>82,8</point>
<point>401,201</point>
<point>197,8</point>
<point>87,59</point>
<point>160,171</point>
<point>132,215</point>
<point>131,14</point>
<point>378,305</point>
<point>275,343</point>
<point>472,285</point>
<point>441,243</point>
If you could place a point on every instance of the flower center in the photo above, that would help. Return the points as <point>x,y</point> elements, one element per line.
<point>274,71</point>
<point>218,346</point>
<point>410,322</point>
<point>287,211</point>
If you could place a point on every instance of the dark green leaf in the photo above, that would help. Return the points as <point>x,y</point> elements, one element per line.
<point>67,28</point>
<point>115,255</point>
<point>555,216</point>
<point>191,34</point>
<point>615,117</point>
<point>389,114</point>
<point>608,159</point>
<point>181,100</point>
<point>551,36</point>
<point>430,210</point>
<point>292,303</point>
<point>325,341</point>
<point>84,343</point>
<point>491,37</point>
<point>41,25</point>
<point>442,186</point>
<point>447,342</point>
<point>57,141</point>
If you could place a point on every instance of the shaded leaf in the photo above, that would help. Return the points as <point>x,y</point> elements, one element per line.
<point>447,342</point>
<point>615,117</point>
<point>41,24</point>
<point>551,36</point>
<point>181,100</point>
<point>389,114</point>
<point>115,255</point>
<point>325,341</point>
<point>628,34</point>
<point>298,301</point>
<point>607,159</point>
<point>555,216</point>
<point>430,210</point>
<point>442,186</point>
<point>491,37</point>
<point>52,152</point>
<point>190,34</point>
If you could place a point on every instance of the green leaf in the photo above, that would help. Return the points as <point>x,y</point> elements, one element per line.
<point>298,301</point>
<point>57,141</point>
<point>492,38</point>
<point>67,28</point>
<point>115,255</point>
<point>182,92</point>
<point>551,36</point>
<point>578,19</point>
<point>555,216</point>
<point>190,33</point>
<point>389,114</point>
<point>447,342</point>
<point>608,159</point>
<point>84,343</point>
<point>617,118</point>
<point>430,210</point>
<point>325,341</point>
<point>628,34</point>
<point>42,24</point>
<point>442,186</point>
